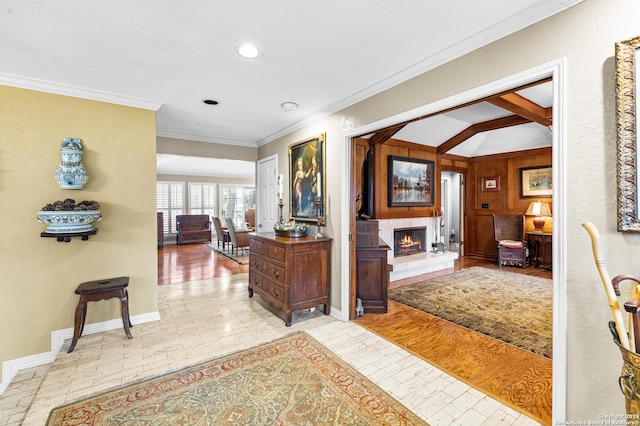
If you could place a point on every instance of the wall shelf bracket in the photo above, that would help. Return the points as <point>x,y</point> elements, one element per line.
<point>66,237</point>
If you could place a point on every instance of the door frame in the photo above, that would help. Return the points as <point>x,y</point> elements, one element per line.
<point>270,197</point>
<point>557,70</point>
<point>461,208</point>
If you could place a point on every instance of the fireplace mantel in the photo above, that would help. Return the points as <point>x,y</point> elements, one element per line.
<point>415,264</point>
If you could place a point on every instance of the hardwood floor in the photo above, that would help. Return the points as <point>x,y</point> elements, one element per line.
<point>513,376</point>
<point>190,262</point>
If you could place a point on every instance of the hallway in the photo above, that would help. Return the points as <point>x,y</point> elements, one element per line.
<point>211,315</point>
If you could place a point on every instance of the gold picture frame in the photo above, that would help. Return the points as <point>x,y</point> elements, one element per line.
<point>626,54</point>
<point>307,179</point>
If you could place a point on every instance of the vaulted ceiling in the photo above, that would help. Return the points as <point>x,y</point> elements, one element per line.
<point>515,120</point>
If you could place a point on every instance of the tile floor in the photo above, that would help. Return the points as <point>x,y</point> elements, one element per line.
<point>212,317</point>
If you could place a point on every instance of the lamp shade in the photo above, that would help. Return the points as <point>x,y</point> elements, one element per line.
<point>539,210</point>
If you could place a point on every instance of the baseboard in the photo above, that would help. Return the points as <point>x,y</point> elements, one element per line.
<point>338,314</point>
<point>58,337</point>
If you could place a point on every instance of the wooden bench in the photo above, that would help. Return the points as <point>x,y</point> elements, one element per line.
<point>193,228</point>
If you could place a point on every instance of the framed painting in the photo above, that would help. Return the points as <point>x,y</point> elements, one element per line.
<point>410,181</point>
<point>491,184</point>
<point>627,144</point>
<point>536,182</point>
<point>306,179</point>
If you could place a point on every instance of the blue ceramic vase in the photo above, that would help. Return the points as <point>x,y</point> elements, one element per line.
<point>71,173</point>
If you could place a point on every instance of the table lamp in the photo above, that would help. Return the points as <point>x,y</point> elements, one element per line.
<point>539,210</point>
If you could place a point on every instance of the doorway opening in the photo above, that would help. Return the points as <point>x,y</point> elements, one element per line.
<point>452,200</point>
<point>555,71</point>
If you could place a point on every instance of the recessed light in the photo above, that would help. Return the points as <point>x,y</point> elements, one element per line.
<point>289,106</point>
<point>210,102</point>
<point>248,51</point>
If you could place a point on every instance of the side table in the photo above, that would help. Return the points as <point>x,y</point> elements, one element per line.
<point>540,249</point>
<point>93,291</point>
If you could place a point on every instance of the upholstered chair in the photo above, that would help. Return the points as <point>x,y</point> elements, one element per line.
<point>222,234</point>
<point>239,237</point>
<point>508,231</point>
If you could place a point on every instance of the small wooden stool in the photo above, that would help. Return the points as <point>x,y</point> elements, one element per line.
<point>93,291</point>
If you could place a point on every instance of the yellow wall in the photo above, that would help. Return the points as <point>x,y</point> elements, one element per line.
<point>205,149</point>
<point>39,275</point>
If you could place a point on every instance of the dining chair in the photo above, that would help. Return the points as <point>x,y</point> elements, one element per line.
<point>222,234</point>
<point>239,237</point>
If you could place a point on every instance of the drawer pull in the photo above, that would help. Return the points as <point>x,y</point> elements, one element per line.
<point>256,264</point>
<point>275,274</point>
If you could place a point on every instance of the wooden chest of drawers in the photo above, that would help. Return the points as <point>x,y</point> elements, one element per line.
<point>290,273</point>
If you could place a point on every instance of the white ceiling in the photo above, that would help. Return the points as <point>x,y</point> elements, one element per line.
<point>323,55</point>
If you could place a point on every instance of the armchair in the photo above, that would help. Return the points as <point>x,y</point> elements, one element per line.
<point>193,228</point>
<point>239,237</point>
<point>508,231</point>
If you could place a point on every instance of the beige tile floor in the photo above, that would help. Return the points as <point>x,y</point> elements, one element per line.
<point>209,318</point>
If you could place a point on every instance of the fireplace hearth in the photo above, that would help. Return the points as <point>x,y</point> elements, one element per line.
<point>408,241</point>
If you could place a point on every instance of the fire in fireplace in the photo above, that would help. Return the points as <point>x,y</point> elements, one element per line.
<point>408,241</point>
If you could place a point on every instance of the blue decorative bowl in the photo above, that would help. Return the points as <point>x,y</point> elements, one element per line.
<point>65,222</point>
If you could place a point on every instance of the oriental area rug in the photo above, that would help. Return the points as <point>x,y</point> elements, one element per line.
<point>291,381</point>
<point>511,307</point>
<point>242,258</point>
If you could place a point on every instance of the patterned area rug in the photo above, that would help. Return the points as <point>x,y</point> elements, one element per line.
<point>292,381</point>
<point>508,306</point>
<point>242,258</point>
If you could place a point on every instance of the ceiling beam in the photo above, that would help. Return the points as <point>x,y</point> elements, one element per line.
<point>522,106</point>
<point>384,135</point>
<point>498,123</point>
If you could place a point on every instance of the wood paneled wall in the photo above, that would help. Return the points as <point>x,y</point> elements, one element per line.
<point>479,232</point>
<point>381,197</point>
<point>381,155</point>
<point>478,220</point>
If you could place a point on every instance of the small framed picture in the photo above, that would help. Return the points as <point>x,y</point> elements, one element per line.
<point>491,184</point>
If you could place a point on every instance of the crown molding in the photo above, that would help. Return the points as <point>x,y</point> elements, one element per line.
<point>77,92</point>
<point>527,17</point>
<point>201,138</point>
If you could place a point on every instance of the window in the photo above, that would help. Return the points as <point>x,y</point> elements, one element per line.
<point>202,198</point>
<point>170,202</point>
<point>235,200</point>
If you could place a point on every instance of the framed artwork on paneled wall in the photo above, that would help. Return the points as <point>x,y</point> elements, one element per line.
<point>536,182</point>
<point>491,184</point>
<point>410,181</point>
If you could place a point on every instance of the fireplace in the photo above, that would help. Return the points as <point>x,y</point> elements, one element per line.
<point>407,241</point>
